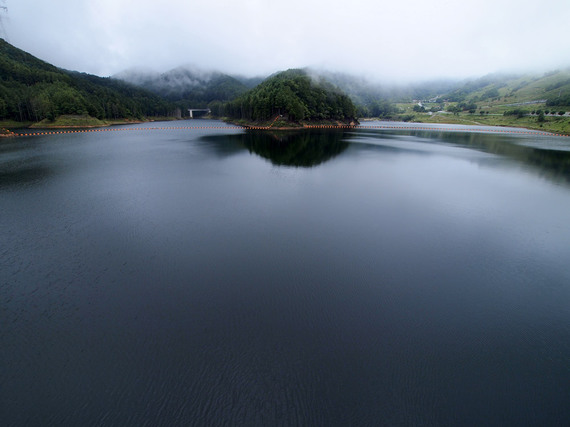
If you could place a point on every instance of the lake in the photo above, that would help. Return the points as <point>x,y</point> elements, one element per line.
<point>368,276</point>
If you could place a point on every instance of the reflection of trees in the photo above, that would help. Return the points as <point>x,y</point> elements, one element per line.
<point>19,168</point>
<point>26,175</point>
<point>302,149</point>
<point>549,163</point>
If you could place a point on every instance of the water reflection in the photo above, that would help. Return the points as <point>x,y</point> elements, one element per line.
<point>170,278</point>
<point>24,176</point>
<point>20,165</point>
<point>304,148</point>
<point>549,163</point>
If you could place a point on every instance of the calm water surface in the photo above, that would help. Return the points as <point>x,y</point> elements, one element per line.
<point>218,277</point>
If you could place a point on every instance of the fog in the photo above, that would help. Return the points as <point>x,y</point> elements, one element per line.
<point>407,40</point>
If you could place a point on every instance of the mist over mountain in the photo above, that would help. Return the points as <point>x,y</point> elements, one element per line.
<point>32,90</point>
<point>194,86</point>
<point>362,90</point>
<point>250,82</point>
<point>138,76</point>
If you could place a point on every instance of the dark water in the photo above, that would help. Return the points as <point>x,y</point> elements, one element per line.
<point>216,277</point>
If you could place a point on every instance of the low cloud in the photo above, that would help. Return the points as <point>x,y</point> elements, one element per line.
<point>400,41</point>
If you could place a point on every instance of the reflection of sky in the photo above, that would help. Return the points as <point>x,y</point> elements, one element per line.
<point>466,189</point>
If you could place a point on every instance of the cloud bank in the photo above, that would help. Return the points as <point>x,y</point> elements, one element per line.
<point>399,41</point>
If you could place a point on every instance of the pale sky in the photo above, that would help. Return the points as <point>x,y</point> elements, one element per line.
<point>404,40</point>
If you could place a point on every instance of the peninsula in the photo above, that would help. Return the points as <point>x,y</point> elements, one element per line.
<point>291,99</point>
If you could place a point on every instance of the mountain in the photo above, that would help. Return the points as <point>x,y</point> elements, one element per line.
<point>33,90</point>
<point>374,99</point>
<point>296,96</point>
<point>551,88</point>
<point>250,82</point>
<point>363,90</point>
<point>371,99</point>
<point>187,86</point>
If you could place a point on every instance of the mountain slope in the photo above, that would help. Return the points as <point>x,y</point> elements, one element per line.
<point>552,88</point>
<point>33,90</point>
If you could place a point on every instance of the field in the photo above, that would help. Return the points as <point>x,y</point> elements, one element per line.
<point>530,101</point>
<point>554,124</point>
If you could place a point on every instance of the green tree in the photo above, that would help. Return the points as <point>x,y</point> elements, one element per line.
<point>454,109</point>
<point>294,95</point>
<point>3,108</point>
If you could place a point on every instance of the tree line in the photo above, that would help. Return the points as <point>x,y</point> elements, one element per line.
<point>33,90</point>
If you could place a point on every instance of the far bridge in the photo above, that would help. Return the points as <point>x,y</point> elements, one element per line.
<point>192,110</point>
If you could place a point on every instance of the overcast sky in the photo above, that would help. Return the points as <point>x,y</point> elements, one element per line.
<point>400,40</point>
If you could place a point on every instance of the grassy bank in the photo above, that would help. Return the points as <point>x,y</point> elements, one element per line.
<point>559,125</point>
<point>11,124</point>
<point>76,121</point>
<point>70,121</point>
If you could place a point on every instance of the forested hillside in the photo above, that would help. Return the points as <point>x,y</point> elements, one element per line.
<point>293,94</point>
<point>33,90</point>
<point>187,87</point>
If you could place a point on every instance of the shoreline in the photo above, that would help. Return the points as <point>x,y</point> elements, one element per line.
<point>283,125</point>
<point>7,133</point>
<point>458,123</point>
<point>40,125</point>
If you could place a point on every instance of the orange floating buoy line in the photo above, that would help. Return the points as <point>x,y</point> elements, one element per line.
<point>9,133</point>
<point>60,132</point>
<point>6,132</point>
